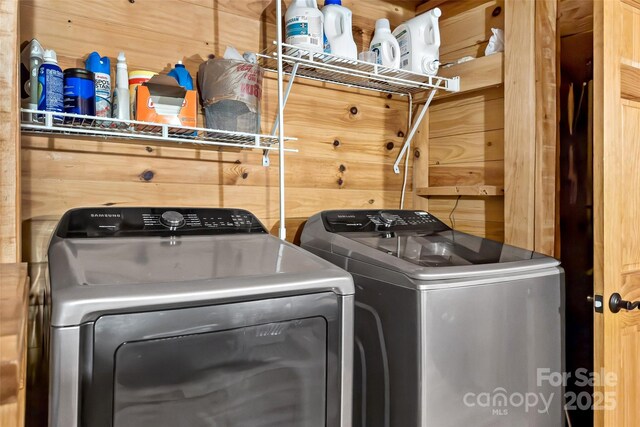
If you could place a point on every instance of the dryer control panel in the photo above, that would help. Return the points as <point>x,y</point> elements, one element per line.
<point>126,222</point>
<point>381,221</point>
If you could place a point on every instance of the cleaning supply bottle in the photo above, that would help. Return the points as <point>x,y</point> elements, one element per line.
<point>36,57</point>
<point>305,26</point>
<point>101,68</point>
<point>121,105</point>
<point>31,58</point>
<point>50,86</point>
<point>79,92</point>
<point>419,40</point>
<point>338,33</point>
<point>180,73</point>
<point>136,78</point>
<point>385,45</point>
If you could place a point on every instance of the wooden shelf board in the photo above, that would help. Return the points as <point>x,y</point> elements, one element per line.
<point>462,190</point>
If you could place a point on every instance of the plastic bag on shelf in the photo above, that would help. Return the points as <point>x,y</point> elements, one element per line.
<point>231,93</point>
<point>496,42</point>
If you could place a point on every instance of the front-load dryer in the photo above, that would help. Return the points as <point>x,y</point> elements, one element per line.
<point>450,329</point>
<point>194,317</point>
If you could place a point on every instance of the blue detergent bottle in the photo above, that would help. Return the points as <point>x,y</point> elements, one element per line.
<point>180,73</point>
<point>50,86</point>
<point>101,69</point>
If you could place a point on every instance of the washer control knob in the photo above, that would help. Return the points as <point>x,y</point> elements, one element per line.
<point>172,219</point>
<point>387,219</point>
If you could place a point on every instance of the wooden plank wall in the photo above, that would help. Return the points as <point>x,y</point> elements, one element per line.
<point>465,137</point>
<point>347,140</point>
<point>520,149</point>
<point>531,91</point>
<point>9,134</point>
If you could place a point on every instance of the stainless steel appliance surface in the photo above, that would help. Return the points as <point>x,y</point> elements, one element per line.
<point>451,329</point>
<point>195,317</point>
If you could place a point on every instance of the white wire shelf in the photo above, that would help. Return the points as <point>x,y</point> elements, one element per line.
<point>353,73</point>
<point>50,123</point>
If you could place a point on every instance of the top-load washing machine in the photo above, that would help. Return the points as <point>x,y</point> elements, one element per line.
<point>451,330</point>
<point>194,317</point>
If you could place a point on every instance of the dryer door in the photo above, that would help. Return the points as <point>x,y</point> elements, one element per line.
<point>252,364</point>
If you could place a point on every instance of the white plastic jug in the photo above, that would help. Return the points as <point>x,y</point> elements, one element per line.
<point>419,40</point>
<point>304,25</point>
<point>385,45</point>
<point>338,33</point>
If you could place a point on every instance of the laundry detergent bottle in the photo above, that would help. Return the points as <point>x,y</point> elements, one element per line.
<point>181,74</point>
<point>419,40</point>
<point>101,68</point>
<point>305,25</point>
<point>338,33</point>
<point>385,45</point>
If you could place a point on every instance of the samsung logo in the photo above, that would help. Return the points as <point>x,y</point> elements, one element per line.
<point>105,215</point>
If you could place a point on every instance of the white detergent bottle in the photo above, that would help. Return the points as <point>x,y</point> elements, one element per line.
<point>419,40</point>
<point>304,25</point>
<point>338,33</point>
<point>385,45</point>
<point>121,103</point>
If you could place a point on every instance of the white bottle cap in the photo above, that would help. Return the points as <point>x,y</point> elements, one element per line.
<point>383,24</point>
<point>50,56</point>
<point>121,57</point>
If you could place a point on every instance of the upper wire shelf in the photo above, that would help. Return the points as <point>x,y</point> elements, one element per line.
<point>353,73</point>
<point>47,122</point>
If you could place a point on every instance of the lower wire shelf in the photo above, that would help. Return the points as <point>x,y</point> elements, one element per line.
<point>53,123</point>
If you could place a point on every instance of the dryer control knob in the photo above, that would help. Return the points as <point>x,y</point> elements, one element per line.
<point>387,219</point>
<point>172,219</point>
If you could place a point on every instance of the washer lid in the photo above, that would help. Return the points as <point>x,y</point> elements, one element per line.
<point>422,247</point>
<point>95,275</point>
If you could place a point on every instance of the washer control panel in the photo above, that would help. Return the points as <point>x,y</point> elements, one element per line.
<point>126,222</point>
<point>382,220</point>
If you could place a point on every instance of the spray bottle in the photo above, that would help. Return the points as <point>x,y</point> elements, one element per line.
<point>121,105</point>
<point>101,68</point>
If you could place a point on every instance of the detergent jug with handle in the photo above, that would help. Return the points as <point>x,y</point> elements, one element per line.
<point>419,40</point>
<point>338,33</point>
<point>305,26</point>
<point>385,45</point>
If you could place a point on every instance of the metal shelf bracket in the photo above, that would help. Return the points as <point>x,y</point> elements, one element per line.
<point>412,132</point>
<point>265,154</point>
